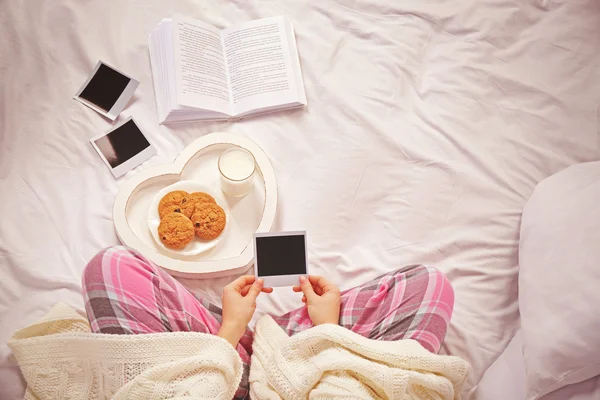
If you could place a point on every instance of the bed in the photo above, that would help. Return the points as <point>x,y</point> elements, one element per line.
<point>506,379</point>
<point>428,125</point>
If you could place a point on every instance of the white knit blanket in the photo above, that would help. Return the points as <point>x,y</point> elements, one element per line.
<point>331,362</point>
<point>60,358</point>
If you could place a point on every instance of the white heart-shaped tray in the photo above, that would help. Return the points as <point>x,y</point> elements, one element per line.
<point>252,213</point>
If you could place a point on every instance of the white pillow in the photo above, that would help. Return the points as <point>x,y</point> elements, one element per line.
<point>559,280</point>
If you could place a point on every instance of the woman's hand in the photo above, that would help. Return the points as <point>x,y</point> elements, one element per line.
<point>239,303</point>
<point>322,298</point>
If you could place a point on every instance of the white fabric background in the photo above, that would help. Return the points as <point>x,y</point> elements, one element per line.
<point>505,379</point>
<point>558,258</point>
<point>428,126</point>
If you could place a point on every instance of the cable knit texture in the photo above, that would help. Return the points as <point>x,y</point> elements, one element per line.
<point>331,362</point>
<point>60,358</point>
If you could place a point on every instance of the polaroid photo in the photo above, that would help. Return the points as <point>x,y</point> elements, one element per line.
<point>123,148</point>
<point>107,91</point>
<point>280,258</point>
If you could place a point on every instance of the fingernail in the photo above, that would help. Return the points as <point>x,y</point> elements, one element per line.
<point>302,279</point>
<point>260,281</point>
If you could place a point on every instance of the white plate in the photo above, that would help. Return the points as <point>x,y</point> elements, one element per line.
<point>197,245</point>
<point>252,213</point>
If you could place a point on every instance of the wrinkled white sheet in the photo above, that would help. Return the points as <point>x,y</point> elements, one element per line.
<point>428,126</point>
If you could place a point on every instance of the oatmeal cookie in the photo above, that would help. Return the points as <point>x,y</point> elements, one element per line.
<point>208,220</point>
<point>178,198</point>
<point>170,209</point>
<point>201,197</point>
<point>176,230</point>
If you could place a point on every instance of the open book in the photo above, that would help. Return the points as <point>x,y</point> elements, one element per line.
<point>201,72</point>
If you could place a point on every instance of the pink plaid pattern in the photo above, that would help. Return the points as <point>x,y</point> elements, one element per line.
<point>125,293</point>
<point>414,302</point>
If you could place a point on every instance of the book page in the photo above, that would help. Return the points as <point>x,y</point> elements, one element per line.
<point>259,65</point>
<point>200,72</point>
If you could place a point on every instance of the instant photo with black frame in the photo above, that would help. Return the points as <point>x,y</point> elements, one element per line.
<point>123,147</point>
<point>280,258</point>
<point>107,90</point>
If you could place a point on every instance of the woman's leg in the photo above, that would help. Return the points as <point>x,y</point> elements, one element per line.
<point>124,293</point>
<point>414,302</point>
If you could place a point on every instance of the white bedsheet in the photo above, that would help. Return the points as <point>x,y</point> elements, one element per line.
<point>428,125</point>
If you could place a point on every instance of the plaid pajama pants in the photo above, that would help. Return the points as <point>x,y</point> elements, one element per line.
<point>125,293</point>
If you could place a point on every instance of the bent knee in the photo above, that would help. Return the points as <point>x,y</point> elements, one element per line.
<point>441,289</point>
<point>95,268</point>
<point>433,283</point>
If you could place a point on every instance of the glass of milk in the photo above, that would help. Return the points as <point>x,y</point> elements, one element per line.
<point>236,166</point>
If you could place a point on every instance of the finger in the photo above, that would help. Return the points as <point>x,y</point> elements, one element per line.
<point>255,289</point>
<point>297,289</point>
<point>304,299</point>
<point>317,290</point>
<point>244,291</point>
<point>242,281</point>
<point>307,288</point>
<point>322,283</point>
